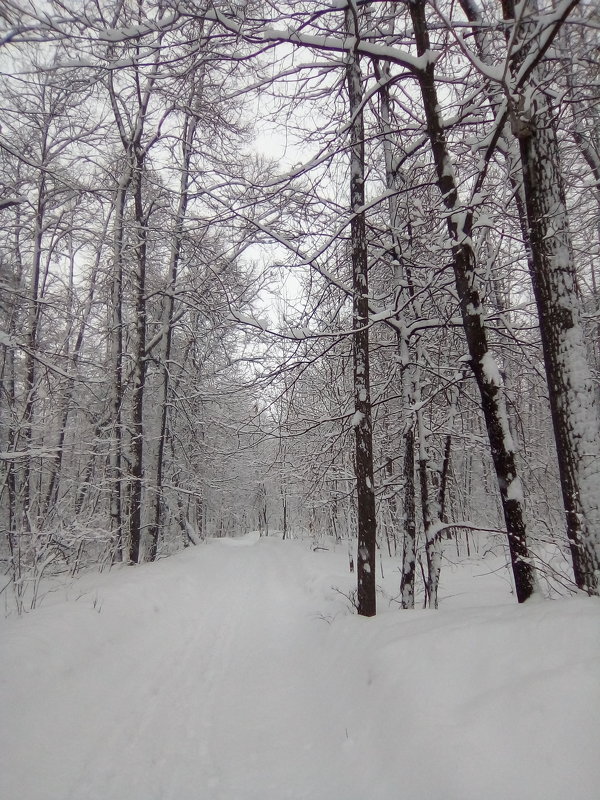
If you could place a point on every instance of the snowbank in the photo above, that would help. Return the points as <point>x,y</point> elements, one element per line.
<point>238,673</point>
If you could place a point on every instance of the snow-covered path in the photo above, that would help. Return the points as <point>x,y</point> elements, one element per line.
<point>214,675</point>
<point>205,682</point>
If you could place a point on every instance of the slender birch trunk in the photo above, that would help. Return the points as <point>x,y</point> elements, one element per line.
<point>365,490</point>
<point>409,549</point>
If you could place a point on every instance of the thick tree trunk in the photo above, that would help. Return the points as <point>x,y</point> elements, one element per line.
<point>363,464</point>
<point>484,368</point>
<point>570,384</point>
<point>554,277</point>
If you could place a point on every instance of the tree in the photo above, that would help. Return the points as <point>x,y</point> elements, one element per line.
<point>555,285</point>
<point>137,415</point>
<point>362,422</point>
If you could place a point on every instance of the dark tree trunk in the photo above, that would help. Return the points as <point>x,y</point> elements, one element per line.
<point>131,132</point>
<point>116,356</point>
<point>189,131</point>
<point>363,463</point>
<point>555,286</point>
<point>284,510</point>
<point>139,369</point>
<point>409,550</point>
<point>444,474</point>
<point>486,374</point>
<point>7,381</point>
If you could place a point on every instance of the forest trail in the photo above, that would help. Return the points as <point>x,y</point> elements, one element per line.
<point>233,671</point>
<point>219,690</point>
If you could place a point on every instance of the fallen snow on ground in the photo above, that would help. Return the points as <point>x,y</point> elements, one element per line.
<point>235,671</point>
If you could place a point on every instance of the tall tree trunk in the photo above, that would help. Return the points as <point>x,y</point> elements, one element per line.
<point>139,368</point>
<point>571,388</point>
<point>190,126</point>
<point>445,470</point>
<point>7,381</point>
<point>9,408</point>
<point>408,375</point>
<point>484,368</point>
<point>131,132</point>
<point>29,492</point>
<point>116,360</point>
<point>555,286</point>
<point>363,464</point>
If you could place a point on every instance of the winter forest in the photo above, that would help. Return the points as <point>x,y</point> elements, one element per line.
<point>301,301</point>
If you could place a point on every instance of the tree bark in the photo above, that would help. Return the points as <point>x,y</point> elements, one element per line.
<point>409,550</point>
<point>409,371</point>
<point>555,286</point>
<point>116,359</point>
<point>487,376</point>
<point>570,383</point>
<point>363,464</point>
<point>190,125</point>
<point>139,369</point>
<point>29,492</point>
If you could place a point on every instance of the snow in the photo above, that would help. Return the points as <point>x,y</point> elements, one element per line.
<point>490,369</point>
<point>349,44</point>
<point>135,31</point>
<point>300,333</point>
<point>357,418</point>
<point>235,671</point>
<point>244,319</point>
<point>514,490</point>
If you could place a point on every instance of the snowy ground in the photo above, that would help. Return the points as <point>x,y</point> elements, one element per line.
<point>233,671</point>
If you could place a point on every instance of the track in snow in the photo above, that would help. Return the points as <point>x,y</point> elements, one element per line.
<point>212,675</point>
<point>208,681</point>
